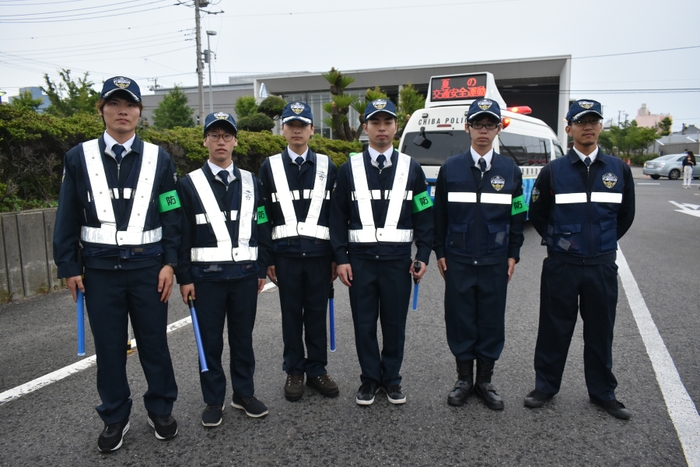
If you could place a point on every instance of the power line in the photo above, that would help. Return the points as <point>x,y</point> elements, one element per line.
<point>60,19</point>
<point>65,11</point>
<point>637,53</point>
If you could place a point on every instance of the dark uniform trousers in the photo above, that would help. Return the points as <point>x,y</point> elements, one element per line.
<point>563,285</point>
<point>475,303</point>
<point>304,284</point>
<point>387,282</point>
<point>108,296</point>
<point>234,301</point>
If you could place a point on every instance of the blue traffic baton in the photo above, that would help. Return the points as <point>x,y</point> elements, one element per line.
<point>331,315</point>
<point>197,335</point>
<point>80,316</point>
<point>416,286</point>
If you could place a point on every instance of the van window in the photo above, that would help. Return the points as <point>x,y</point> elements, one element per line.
<point>525,150</point>
<point>443,145</point>
<point>558,152</point>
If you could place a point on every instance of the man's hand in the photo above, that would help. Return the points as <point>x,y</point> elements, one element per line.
<point>334,271</point>
<point>442,266</point>
<point>345,273</point>
<point>417,275</point>
<point>187,290</point>
<point>511,268</point>
<point>165,282</point>
<point>75,283</point>
<point>261,284</point>
<point>272,274</point>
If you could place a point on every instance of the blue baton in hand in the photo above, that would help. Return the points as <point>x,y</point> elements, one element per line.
<point>80,315</point>
<point>416,286</point>
<point>331,315</point>
<point>197,335</point>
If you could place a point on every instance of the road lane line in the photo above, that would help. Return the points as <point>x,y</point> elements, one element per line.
<point>680,406</point>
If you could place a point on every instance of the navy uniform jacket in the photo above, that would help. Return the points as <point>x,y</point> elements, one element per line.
<point>583,230</point>
<point>299,179</point>
<point>76,208</point>
<point>345,214</point>
<point>479,232</point>
<point>202,235</point>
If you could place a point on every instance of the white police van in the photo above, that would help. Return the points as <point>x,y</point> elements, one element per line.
<point>437,132</point>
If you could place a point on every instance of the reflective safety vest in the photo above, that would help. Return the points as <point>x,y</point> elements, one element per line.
<point>102,195</point>
<point>224,250</point>
<point>309,227</point>
<point>399,192</point>
<point>584,222</point>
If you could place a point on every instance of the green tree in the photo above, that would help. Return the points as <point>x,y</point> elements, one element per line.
<point>69,97</point>
<point>26,101</point>
<point>256,122</point>
<point>410,100</point>
<point>665,126</point>
<point>340,105</point>
<point>273,107</point>
<point>173,111</point>
<point>246,106</point>
<point>360,104</point>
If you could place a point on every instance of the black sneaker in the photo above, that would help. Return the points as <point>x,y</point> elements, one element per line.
<point>112,436</point>
<point>365,395</point>
<point>212,415</point>
<point>325,385</point>
<point>294,387</point>
<point>395,395</point>
<point>252,406</point>
<point>536,399</point>
<point>615,408</point>
<point>165,426</point>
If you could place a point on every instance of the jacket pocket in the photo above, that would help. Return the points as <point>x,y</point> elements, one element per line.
<point>498,237</point>
<point>567,237</point>
<point>457,236</point>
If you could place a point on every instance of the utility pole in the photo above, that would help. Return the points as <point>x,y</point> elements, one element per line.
<point>200,65</point>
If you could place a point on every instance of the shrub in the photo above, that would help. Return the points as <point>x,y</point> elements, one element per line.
<point>256,122</point>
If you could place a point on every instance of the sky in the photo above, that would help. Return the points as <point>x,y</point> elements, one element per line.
<point>624,52</point>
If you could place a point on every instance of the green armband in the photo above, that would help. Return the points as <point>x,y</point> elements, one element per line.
<point>168,201</point>
<point>422,201</point>
<point>262,215</point>
<point>519,205</point>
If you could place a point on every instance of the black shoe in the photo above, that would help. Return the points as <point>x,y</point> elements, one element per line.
<point>324,384</point>
<point>615,408</point>
<point>365,395</point>
<point>165,426</point>
<point>488,393</point>
<point>395,395</point>
<point>252,406</point>
<point>112,436</point>
<point>294,387</point>
<point>536,399</point>
<point>212,415</point>
<point>458,395</point>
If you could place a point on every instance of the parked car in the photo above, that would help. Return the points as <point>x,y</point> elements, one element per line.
<point>670,165</point>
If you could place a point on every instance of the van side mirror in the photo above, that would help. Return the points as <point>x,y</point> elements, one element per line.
<point>421,140</point>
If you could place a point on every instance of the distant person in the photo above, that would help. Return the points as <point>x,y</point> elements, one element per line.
<point>581,205</point>
<point>297,185</point>
<point>688,167</point>
<point>222,263</point>
<point>119,211</point>
<point>380,206</point>
<point>479,216</point>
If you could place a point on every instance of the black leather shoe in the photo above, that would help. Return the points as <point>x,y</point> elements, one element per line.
<point>536,399</point>
<point>488,393</point>
<point>458,395</point>
<point>615,408</point>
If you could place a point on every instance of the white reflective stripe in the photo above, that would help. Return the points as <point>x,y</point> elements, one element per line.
<point>201,219</point>
<point>603,197</point>
<point>302,228</point>
<point>115,193</point>
<point>107,234</point>
<point>234,215</point>
<point>244,252</point>
<point>570,198</point>
<point>127,193</point>
<point>284,195</point>
<point>218,254</point>
<point>310,227</point>
<point>362,193</point>
<point>134,234</point>
<point>398,189</point>
<point>461,197</point>
<point>381,235</point>
<point>496,198</point>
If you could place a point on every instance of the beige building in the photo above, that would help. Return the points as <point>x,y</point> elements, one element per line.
<point>647,119</point>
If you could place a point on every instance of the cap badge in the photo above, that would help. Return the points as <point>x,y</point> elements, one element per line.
<point>122,82</point>
<point>221,116</point>
<point>297,107</point>
<point>485,104</point>
<point>585,104</point>
<point>498,182</point>
<point>609,180</point>
<point>379,104</point>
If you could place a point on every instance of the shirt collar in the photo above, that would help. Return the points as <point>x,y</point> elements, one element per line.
<point>293,155</point>
<point>215,169</point>
<point>583,156</point>
<point>487,157</point>
<point>109,142</point>
<point>373,154</point>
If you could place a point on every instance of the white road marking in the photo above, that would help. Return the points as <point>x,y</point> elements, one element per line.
<point>648,183</point>
<point>687,208</point>
<point>680,406</point>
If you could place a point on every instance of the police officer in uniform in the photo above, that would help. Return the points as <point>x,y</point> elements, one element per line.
<point>582,204</point>
<point>479,215</point>
<point>118,210</point>
<point>223,258</point>
<point>380,206</point>
<point>296,188</point>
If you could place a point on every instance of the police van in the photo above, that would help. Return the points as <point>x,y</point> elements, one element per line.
<point>437,132</point>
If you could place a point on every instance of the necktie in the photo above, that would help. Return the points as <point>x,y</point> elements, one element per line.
<point>381,159</point>
<point>299,160</point>
<point>223,175</point>
<point>482,164</point>
<point>118,150</point>
<point>587,161</point>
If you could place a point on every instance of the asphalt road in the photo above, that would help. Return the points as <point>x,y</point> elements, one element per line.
<point>57,424</point>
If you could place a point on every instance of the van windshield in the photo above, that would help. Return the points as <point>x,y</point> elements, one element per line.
<point>443,145</point>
